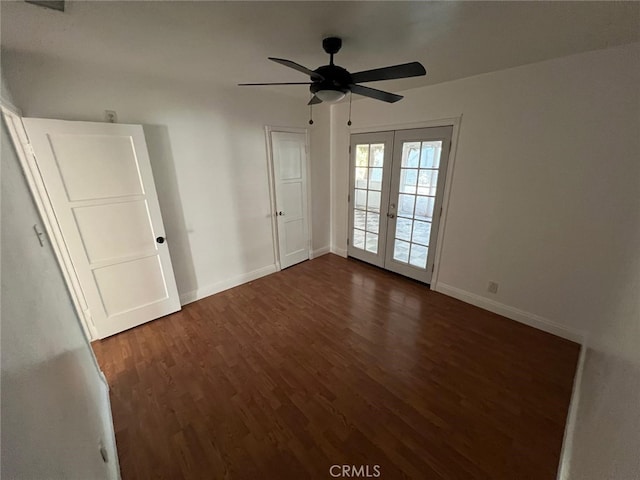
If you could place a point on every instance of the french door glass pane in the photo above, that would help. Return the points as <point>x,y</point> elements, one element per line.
<point>373,222</point>
<point>375,179</point>
<point>377,155</point>
<point>358,238</point>
<point>405,205</point>
<point>359,219</point>
<point>430,156</point>
<point>411,154</point>
<point>408,180</point>
<point>416,201</point>
<point>361,177</point>
<point>401,251</point>
<point>362,155</point>
<point>421,232</point>
<point>427,182</point>
<point>403,228</point>
<point>418,256</point>
<point>372,242</point>
<point>361,199</point>
<point>373,201</point>
<point>424,208</point>
<point>369,163</point>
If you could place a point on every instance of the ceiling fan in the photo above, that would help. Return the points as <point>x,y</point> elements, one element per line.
<point>330,83</point>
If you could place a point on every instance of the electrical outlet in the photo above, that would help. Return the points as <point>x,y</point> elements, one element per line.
<point>110,116</point>
<point>493,287</point>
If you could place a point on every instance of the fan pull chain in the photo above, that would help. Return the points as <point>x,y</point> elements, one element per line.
<point>310,114</point>
<point>349,122</point>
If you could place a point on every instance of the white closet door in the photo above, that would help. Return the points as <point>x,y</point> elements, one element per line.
<point>99,181</point>
<point>290,171</point>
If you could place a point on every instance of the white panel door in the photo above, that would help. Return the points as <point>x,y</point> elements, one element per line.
<point>99,181</point>
<point>290,173</point>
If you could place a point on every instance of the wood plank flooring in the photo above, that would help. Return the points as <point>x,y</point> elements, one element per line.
<point>335,362</point>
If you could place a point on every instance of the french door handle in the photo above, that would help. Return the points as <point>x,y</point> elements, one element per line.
<point>391,215</point>
<point>280,214</point>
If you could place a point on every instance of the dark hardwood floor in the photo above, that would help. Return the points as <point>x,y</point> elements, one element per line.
<point>334,362</point>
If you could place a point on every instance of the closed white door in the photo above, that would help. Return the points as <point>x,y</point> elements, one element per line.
<point>290,173</point>
<point>397,184</point>
<point>99,181</point>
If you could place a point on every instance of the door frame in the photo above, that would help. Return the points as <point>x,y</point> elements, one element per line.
<point>454,122</point>
<point>268,129</point>
<point>13,121</point>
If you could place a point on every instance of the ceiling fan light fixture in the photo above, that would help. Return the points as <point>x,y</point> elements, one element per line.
<point>330,96</point>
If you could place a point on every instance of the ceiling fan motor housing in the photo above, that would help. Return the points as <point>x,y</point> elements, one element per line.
<point>335,78</point>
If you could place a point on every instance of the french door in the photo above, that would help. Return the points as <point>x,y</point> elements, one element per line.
<point>397,181</point>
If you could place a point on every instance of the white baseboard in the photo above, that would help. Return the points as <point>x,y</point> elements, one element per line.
<point>319,252</point>
<point>223,285</point>
<point>339,251</point>
<point>564,467</point>
<point>531,319</point>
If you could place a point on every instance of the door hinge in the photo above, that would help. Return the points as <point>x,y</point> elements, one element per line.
<point>433,266</point>
<point>29,148</point>
<point>347,241</point>
<point>39,234</point>
<point>440,211</point>
<point>348,197</point>
<point>89,317</point>
<point>349,149</point>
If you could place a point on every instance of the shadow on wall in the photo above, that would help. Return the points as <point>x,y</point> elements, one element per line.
<point>164,173</point>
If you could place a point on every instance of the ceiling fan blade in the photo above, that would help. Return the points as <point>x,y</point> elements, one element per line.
<point>314,100</point>
<point>276,83</point>
<point>298,67</point>
<point>413,69</point>
<point>377,94</point>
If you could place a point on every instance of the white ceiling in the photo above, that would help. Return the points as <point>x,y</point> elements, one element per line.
<point>229,42</point>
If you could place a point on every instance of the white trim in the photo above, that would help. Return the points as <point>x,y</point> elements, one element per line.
<point>527,318</point>
<point>318,252</point>
<point>272,198</point>
<point>441,122</point>
<point>223,285</point>
<point>564,467</point>
<point>7,105</point>
<point>446,196</point>
<point>272,188</point>
<point>39,193</point>
<point>339,251</point>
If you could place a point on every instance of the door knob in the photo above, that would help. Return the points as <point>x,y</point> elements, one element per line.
<point>160,239</point>
<point>280,214</point>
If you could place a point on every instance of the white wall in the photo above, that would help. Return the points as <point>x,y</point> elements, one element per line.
<point>545,200</point>
<point>55,405</point>
<point>540,193</point>
<point>208,154</point>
